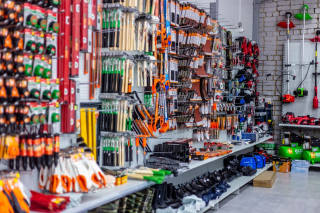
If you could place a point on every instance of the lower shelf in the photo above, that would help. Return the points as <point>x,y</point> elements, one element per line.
<point>235,185</point>
<point>315,165</point>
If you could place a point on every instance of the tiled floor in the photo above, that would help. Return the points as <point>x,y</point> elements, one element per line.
<point>291,193</point>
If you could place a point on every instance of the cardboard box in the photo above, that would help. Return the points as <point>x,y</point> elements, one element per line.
<point>297,169</point>
<point>266,179</point>
<point>282,164</point>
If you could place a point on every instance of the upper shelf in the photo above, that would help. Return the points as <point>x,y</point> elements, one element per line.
<point>301,126</point>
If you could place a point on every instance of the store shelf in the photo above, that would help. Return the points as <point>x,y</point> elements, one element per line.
<point>235,185</point>
<point>301,126</point>
<point>315,165</point>
<point>103,196</point>
<point>236,148</point>
<point>93,200</point>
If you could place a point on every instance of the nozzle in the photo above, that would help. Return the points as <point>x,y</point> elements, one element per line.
<point>318,32</point>
<point>305,7</point>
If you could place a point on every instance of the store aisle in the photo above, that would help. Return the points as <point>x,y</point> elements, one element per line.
<point>291,193</point>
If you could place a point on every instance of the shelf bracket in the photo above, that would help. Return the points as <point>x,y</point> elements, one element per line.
<point>236,192</point>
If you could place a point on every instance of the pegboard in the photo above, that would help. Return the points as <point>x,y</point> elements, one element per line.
<point>301,105</point>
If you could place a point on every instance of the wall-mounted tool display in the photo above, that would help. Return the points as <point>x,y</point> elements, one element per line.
<point>159,78</point>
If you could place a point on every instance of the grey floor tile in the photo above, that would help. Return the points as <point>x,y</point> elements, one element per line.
<point>294,193</point>
<point>289,208</point>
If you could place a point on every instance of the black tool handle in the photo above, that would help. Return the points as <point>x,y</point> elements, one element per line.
<point>115,122</point>
<point>120,77</point>
<point>126,153</point>
<point>131,153</point>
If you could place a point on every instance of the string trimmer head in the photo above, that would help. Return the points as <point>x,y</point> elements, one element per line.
<point>317,38</point>
<point>300,15</point>
<point>283,24</point>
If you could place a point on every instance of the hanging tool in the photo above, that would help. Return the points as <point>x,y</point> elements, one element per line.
<point>137,150</point>
<point>287,98</point>
<point>284,24</point>
<point>304,15</point>
<point>301,91</point>
<point>315,99</point>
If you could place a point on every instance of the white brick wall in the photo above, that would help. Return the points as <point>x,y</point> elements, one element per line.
<point>271,40</point>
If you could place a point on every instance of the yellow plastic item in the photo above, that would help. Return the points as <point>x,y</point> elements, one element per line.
<point>83,125</point>
<point>89,127</point>
<point>94,133</point>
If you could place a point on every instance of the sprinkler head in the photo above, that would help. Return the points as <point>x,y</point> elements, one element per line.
<point>318,32</point>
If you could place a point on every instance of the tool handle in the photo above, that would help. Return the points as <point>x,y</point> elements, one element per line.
<point>130,153</point>
<point>144,142</point>
<point>127,153</point>
<point>137,142</point>
<point>120,78</point>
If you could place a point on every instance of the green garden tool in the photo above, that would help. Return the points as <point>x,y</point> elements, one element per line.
<point>301,91</point>
<point>301,15</point>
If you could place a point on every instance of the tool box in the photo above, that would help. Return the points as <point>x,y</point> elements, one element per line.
<point>281,164</point>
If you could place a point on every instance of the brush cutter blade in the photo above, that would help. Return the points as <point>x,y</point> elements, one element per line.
<point>315,39</point>
<point>283,24</point>
<point>300,16</point>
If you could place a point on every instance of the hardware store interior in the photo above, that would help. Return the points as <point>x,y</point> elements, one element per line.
<point>159,106</point>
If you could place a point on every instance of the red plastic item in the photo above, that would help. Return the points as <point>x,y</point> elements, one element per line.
<point>283,24</point>
<point>48,203</point>
<point>287,98</point>
<point>315,39</point>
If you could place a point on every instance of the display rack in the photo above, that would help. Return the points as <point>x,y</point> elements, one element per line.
<point>93,200</point>
<point>300,126</point>
<point>234,188</point>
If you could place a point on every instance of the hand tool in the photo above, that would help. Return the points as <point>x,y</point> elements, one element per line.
<point>94,133</point>
<point>137,150</point>
<point>89,127</point>
<point>143,177</point>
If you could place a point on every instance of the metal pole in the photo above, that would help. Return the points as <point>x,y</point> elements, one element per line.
<point>302,63</point>
<point>288,49</point>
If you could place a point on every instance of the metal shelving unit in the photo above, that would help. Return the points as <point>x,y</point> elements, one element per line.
<point>300,126</point>
<point>234,189</point>
<point>103,196</point>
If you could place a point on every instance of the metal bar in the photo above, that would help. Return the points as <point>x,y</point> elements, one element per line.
<point>214,10</point>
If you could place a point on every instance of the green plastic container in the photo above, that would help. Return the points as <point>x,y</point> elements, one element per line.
<point>312,155</point>
<point>294,151</point>
<point>267,146</point>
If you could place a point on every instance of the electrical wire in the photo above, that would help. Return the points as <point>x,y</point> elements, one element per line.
<point>278,79</point>
<point>304,77</point>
